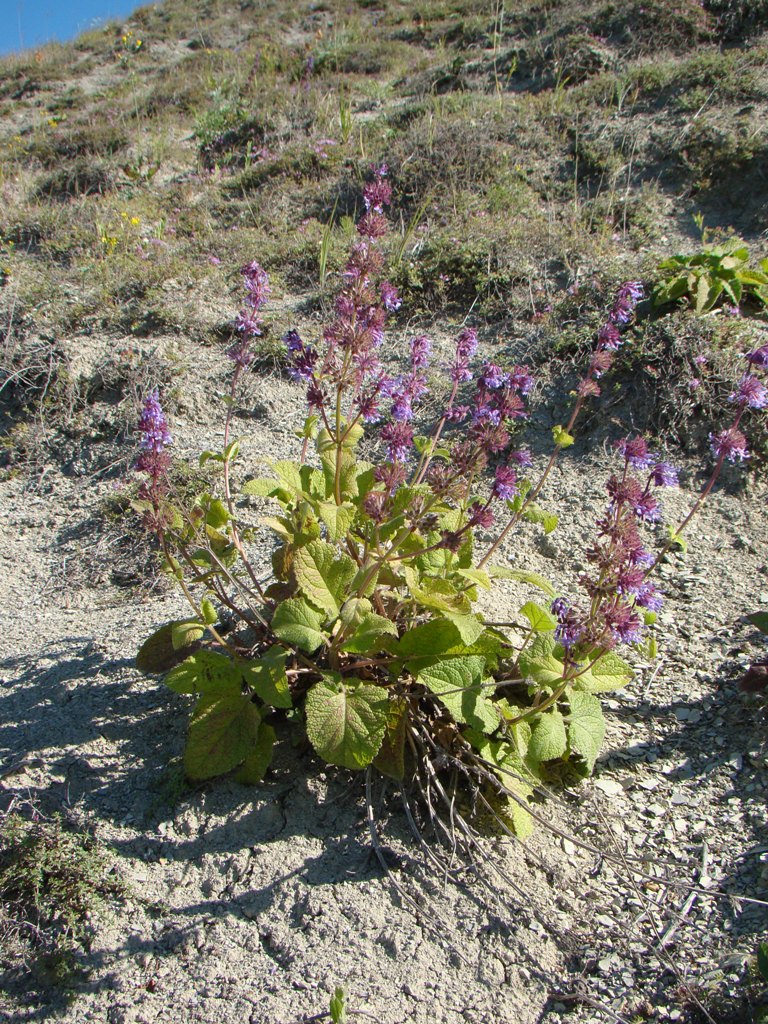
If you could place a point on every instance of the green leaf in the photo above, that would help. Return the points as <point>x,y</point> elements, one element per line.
<point>435,593</point>
<point>337,518</point>
<point>561,437</point>
<point>759,620</point>
<point>762,960</point>
<point>586,726</point>
<point>430,639</point>
<point>368,631</point>
<point>610,672</point>
<point>264,487</point>
<point>206,672</point>
<point>183,634</point>
<point>469,627</point>
<point>456,682</point>
<point>257,761</point>
<point>541,619</point>
<point>523,576</point>
<point>390,759</point>
<point>477,576</point>
<point>540,662</point>
<point>157,653</point>
<point>222,733</point>
<point>346,720</point>
<point>338,1006</point>
<point>548,738</point>
<point>209,612</point>
<point>546,520</point>
<point>702,294</point>
<point>266,676</point>
<point>217,514</point>
<point>324,575</point>
<point>298,623</point>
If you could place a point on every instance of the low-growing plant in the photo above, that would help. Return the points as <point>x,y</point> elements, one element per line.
<point>53,880</point>
<point>369,631</point>
<point>716,275</point>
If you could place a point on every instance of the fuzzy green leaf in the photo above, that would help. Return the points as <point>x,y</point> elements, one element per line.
<point>257,761</point>
<point>501,572</point>
<point>759,620</point>
<point>390,759</point>
<point>541,619</point>
<point>346,721</point>
<point>157,653</point>
<point>561,437</point>
<point>217,514</point>
<point>541,663</point>
<point>266,676</point>
<point>337,518</point>
<point>183,634</point>
<point>222,733</point>
<point>429,640</point>
<point>546,520</point>
<point>264,487</point>
<point>469,627</point>
<point>324,575</point>
<point>610,672</point>
<point>298,623</point>
<point>206,672</point>
<point>457,684</point>
<point>368,632</point>
<point>209,612</point>
<point>548,738</point>
<point>586,726</point>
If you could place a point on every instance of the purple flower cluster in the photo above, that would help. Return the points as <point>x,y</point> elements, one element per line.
<point>751,393</point>
<point>249,322</point>
<point>609,336</point>
<point>154,438</point>
<point>617,586</point>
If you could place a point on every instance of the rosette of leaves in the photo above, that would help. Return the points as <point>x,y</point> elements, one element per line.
<point>369,635</point>
<point>717,274</point>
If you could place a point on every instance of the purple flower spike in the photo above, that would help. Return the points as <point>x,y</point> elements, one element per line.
<point>522,457</point>
<point>664,474</point>
<point>522,380</point>
<point>256,283</point>
<point>153,426</point>
<point>492,376</point>
<point>608,337</point>
<point>399,440</point>
<point>729,444</point>
<point>504,483</point>
<point>421,347</point>
<point>390,297</point>
<point>759,357</point>
<point>635,451</point>
<point>750,393</point>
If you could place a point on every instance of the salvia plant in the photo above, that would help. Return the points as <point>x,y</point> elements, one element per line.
<point>367,630</point>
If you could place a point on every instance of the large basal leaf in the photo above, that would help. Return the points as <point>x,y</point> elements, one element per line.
<point>259,759</point>
<point>346,721</point>
<point>548,739</point>
<point>609,672</point>
<point>184,634</point>
<point>206,672</point>
<point>222,733</point>
<point>266,676</point>
<point>298,623</point>
<point>324,575</point>
<point>157,653</point>
<point>456,682</point>
<point>586,726</point>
